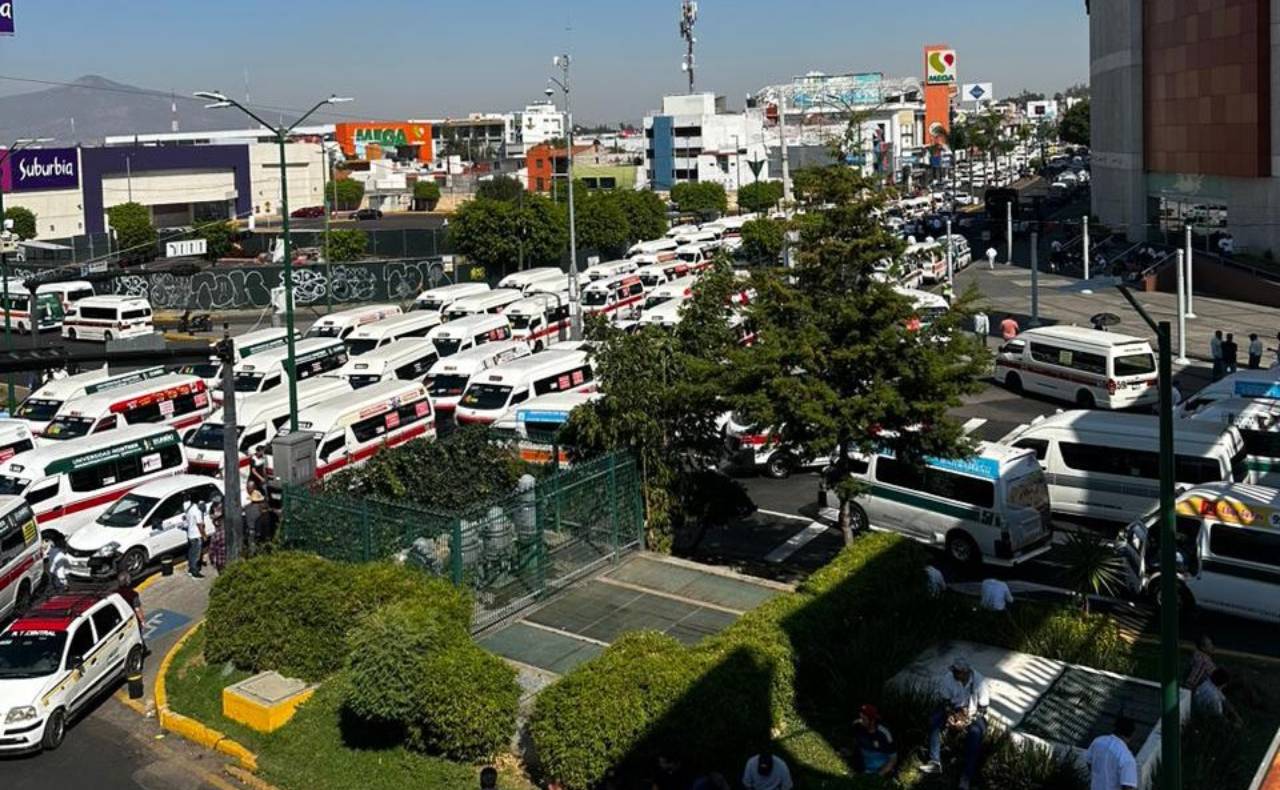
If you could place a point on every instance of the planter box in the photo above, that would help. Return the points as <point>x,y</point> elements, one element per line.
<point>266,701</point>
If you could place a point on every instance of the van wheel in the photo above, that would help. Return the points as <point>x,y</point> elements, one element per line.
<point>1085,399</point>
<point>134,560</point>
<point>133,664</point>
<point>780,465</point>
<point>962,550</point>
<point>55,729</point>
<point>537,347</point>
<point>23,601</point>
<point>71,334</point>
<point>106,336</point>
<point>1013,382</point>
<point>858,521</point>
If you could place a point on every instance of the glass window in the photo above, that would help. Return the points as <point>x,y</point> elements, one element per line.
<point>361,346</point>
<point>1111,460</point>
<point>207,437</point>
<point>1248,545</point>
<point>332,446</point>
<point>446,385</point>
<point>94,477</point>
<point>252,440</point>
<point>171,456</point>
<point>895,472</point>
<point>37,495</point>
<point>370,428</point>
<point>1135,365</point>
<point>106,424</point>
<point>960,488</point>
<point>106,619</point>
<point>486,397</point>
<point>30,654</point>
<point>1039,446</point>
<point>1191,469</point>
<point>38,410</point>
<point>128,511</point>
<point>81,642</point>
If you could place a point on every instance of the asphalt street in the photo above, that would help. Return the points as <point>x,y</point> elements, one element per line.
<point>398,221</point>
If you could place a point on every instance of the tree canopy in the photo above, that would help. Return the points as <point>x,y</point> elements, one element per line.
<point>348,194</point>
<point>500,188</point>
<point>494,232</point>
<point>762,240</point>
<point>701,197</point>
<point>759,196</point>
<point>24,221</point>
<point>601,223</point>
<point>1074,126</point>
<point>345,245</point>
<point>646,213</point>
<point>135,235</point>
<point>220,238</point>
<point>426,190</point>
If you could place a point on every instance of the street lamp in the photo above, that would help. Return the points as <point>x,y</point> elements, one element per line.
<point>219,101</point>
<point>575,295</point>
<point>14,147</point>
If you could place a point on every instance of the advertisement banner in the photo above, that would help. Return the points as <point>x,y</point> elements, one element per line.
<point>978,92</point>
<point>6,17</point>
<point>940,67</point>
<point>35,169</point>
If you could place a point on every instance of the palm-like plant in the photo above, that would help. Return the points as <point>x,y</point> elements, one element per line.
<point>1092,566</point>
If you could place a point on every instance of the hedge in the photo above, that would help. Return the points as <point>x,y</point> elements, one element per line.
<point>468,701</point>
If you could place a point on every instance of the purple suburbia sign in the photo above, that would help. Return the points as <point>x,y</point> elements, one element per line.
<point>6,17</point>
<point>35,169</point>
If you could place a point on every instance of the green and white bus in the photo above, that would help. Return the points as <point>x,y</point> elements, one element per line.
<point>48,315</point>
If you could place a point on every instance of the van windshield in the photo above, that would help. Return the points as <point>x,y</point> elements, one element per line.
<point>427,305</point>
<point>447,386</point>
<point>361,346</point>
<point>205,370</point>
<point>12,486</point>
<point>652,280</point>
<point>329,330</point>
<point>363,380</point>
<point>486,397</point>
<point>37,409</point>
<point>1135,364</point>
<point>68,427</point>
<point>447,346</point>
<point>207,437</point>
<point>654,301</point>
<point>520,321</point>
<point>31,654</point>
<point>595,298</point>
<point>249,382</point>
<point>128,511</point>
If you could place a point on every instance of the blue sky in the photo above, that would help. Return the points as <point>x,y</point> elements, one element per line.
<point>402,58</point>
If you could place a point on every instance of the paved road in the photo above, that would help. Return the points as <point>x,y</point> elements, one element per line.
<point>406,221</point>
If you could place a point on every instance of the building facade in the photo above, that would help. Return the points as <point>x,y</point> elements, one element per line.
<point>1184,125</point>
<point>694,139</point>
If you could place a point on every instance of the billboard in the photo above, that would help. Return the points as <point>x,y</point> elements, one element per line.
<point>6,17</point>
<point>940,67</point>
<point>978,92</point>
<point>837,91</point>
<point>35,169</point>
<point>400,136</point>
<point>1046,110</point>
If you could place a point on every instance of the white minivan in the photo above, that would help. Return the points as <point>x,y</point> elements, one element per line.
<point>42,405</point>
<point>244,346</point>
<point>541,278</point>
<point>469,332</point>
<point>539,319</point>
<point>173,400</point>
<point>389,330</point>
<point>401,360</point>
<point>435,300</point>
<point>1088,367</point>
<point>491,302</point>
<point>1252,384</point>
<point>491,393</point>
<point>448,378</point>
<point>107,318</point>
<point>344,322</point>
<point>313,356</point>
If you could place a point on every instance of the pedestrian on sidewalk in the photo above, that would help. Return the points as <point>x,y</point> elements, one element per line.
<point>991,258</point>
<point>59,564</point>
<point>1215,352</point>
<point>948,292</point>
<point>217,540</point>
<point>1175,393</point>
<point>1230,354</point>
<point>1008,328</point>
<point>982,327</point>
<point>1111,764</point>
<point>193,516</point>
<point>1255,351</point>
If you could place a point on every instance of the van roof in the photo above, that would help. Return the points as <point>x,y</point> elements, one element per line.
<point>326,412</point>
<point>666,313</point>
<point>307,345</point>
<point>534,302</point>
<point>486,297</point>
<point>1123,424</point>
<point>87,450</point>
<point>390,353</point>
<point>1245,493</point>
<point>18,427</point>
<point>1082,334</point>
<point>165,486</point>
<point>392,323</point>
<point>610,281</point>
<point>356,312</point>
<point>249,405</point>
<point>523,366</point>
<point>473,359</point>
<point>1236,408</point>
<point>676,286</point>
<point>469,323</point>
<point>1268,378</point>
<point>61,389</point>
<point>112,300</point>
<point>64,285</point>
<point>456,288</point>
<point>100,401</point>
<point>259,336</point>
<point>558,404</point>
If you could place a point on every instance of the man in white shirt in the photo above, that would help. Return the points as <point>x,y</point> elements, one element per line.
<point>193,517</point>
<point>1111,764</point>
<point>766,772</point>
<point>996,595</point>
<point>965,700</point>
<point>59,564</point>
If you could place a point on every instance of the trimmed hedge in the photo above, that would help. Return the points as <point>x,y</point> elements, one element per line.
<point>468,702</point>
<point>291,612</point>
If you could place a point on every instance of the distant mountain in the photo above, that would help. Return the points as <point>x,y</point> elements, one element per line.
<point>101,107</point>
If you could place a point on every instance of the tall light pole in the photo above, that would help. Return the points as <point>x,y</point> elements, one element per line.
<point>575,295</point>
<point>282,134</point>
<point>14,147</point>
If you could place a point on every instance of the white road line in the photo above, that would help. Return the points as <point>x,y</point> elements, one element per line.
<point>562,632</point>
<point>791,516</point>
<point>796,542</point>
<point>974,424</point>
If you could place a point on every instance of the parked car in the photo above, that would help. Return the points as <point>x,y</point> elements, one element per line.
<point>366,213</point>
<point>307,212</point>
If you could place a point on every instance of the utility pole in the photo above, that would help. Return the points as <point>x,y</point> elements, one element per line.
<point>688,16</point>
<point>782,135</point>
<point>326,175</point>
<point>1182,310</point>
<point>1191,267</point>
<point>232,512</point>
<point>575,293</point>
<point>128,170</point>
<point>1085,243</point>
<point>1008,232</point>
<point>951,274</point>
<point>1035,280</point>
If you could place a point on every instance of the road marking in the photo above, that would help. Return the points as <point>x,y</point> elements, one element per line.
<point>562,632</point>
<point>796,542</point>
<point>670,596</point>
<point>973,424</point>
<point>791,516</point>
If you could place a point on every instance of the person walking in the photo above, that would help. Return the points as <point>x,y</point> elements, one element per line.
<point>193,517</point>
<point>1111,764</point>
<point>965,699</point>
<point>982,327</point>
<point>991,258</point>
<point>1215,352</point>
<point>948,292</point>
<point>59,564</point>
<point>1230,354</point>
<point>1008,328</point>
<point>217,540</point>
<point>1255,351</point>
<point>766,772</point>
<point>258,467</point>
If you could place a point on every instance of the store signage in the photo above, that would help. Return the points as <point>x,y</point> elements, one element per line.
<point>978,91</point>
<point>940,67</point>
<point>37,169</point>
<point>187,248</point>
<point>6,18</point>
<point>390,136</point>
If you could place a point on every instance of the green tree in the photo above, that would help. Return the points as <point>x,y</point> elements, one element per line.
<point>1023,96</point>
<point>840,364</point>
<point>135,235</point>
<point>759,196</point>
<point>600,222</point>
<point>346,245</point>
<point>348,193</point>
<point>762,240</point>
<point>1074,126</point>
<point>645,210</point>
<point>701,197</point>
<point>426,193</point>
<point>494,232</point>
<point>220,238</point>
<point>24,221</point>
<point>501,188</point>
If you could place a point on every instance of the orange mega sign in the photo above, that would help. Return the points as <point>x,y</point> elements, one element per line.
<point>354,137</point>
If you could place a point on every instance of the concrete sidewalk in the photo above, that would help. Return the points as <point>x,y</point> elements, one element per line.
<point>171,605</point>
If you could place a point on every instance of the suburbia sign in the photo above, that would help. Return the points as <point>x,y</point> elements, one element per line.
<point>6,17</point>
<point>42,168</point>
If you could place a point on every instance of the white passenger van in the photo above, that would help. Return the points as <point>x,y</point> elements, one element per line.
<point>49,310</point>
<point>435,300</point>
<point>535,424</point>
<point>69,483</point>
<point>400,360</point>
<point>448,378</point>
<point>469,332</point>
<point>42,405</point>
<point>1258,421</point>
<point>609,270</point>
<point>68,292</point>
<point>351,429</point>
<point>244,346</point>
<point>1087,367</point>
<point>652,247</point>
<point>491,393</point>
<point>314,356</point>
<point>1252,384</point>
<point>389,330</point>
<point>961,252</point>
<point>656,274</point>
<point>541,278</point>
<point>174,400</point>
<point>21,556</point>
<point>614,297</point>
<point>697,256</point>
<point>677,290</point>
<point>258,417</point>
<point>107,318</point>
<point>15,437</point>
<point>1104,468</point>
<point>344,322</point>
<point>539,319</point>
<point>655,259</point>
<point>1228,544</point>
<point>993,507</point>
<point>929,305</point>
<point>491,302</point>
<point>703,236</point>
<point>666,314</point>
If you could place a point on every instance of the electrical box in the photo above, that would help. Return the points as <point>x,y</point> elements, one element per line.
<point>293,458</point>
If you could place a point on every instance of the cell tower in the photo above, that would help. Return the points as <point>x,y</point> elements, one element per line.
<point>688,16</point>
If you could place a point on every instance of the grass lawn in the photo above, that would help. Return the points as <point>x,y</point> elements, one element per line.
<point>313,751</point>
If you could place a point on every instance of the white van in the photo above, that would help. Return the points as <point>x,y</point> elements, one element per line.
<point>1087,367</point>
<point>703,236</point>
<point>666,315</point>
<point>614,297</point>
<point>435,300</point>
<point>344,322</point>
<point>69,483</point>
<point>1228,551</point>
<point>389,330</point>
<point>244,346</point>
<point>929,305</point>
<point>174,400</point>
<point>15,437</point>
<point>652,247</point>
<point>539,319</point>
<point>491,302</point>
<point>42,405</point>
<point>21,556</point>
<point>258,417</point>
<point>535,423</point>
<point>49,309</point>
<point>541,278</point>
<point>469,332</point>
<point>448,378</point>
<point>490,394</point>
<point>961,253</point>
<point>655,274</point>
<point>107,318</point>
<point>351,429</point>
<point>1258,422</point>
<point>645,259</point>
<point>314,356</point>
<point>1104,468</point>
<point>1252,384</point>
<point>400,360</point>
<point>677,290</point>
<point>608,269</point>
<point>68,292</point>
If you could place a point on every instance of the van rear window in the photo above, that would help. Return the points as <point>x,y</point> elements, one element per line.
<point>1135,364</point>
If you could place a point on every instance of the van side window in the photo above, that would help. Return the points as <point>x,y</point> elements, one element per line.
<point>94,477</point>
<point>98,313</point>
<point>370,428</point>
<point>898,473</point>
<point>37,495</point>
<point>12,543</point>
<point>1261,443</point>
<point>1063,357</point>
<point>81,642</point>
<point>1039,446</point>
<point>1191,469</point>
<point>171,456</point>
<point>1111,460</point>
<point>273,382</point>
<point>253,439</point>
<point>20,446</point>
<point>332,446</point>
<point>106,619</point>
<point>1248,545</point>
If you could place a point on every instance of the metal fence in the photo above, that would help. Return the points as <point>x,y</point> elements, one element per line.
<point>509,553</point>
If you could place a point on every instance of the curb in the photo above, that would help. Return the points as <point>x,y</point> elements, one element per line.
<point>189,728</point>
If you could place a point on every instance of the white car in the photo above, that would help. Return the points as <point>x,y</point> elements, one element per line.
<point>141,526</point>
<point>57,659</point>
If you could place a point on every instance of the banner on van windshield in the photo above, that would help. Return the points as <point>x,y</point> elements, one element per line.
<point>126,450</point>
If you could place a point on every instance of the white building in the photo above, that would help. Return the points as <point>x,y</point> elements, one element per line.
<point>694,139</point>
<point>535,124</point>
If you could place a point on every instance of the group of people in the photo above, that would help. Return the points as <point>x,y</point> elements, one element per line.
<point>1225,353</point>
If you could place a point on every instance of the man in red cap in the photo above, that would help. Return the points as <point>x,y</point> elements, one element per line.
<point>876,750</point>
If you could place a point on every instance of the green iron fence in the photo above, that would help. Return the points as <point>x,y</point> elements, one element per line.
<point>509,552</point>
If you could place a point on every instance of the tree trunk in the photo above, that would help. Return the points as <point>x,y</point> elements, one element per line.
<point>846,530</point>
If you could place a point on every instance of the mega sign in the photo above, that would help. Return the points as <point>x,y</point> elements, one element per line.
<point>41,168</point>
<point>6,17</point>
<point>940,67</point>
<point>354,137</point>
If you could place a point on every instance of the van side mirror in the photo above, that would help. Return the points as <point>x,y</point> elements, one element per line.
<point>75,663</point>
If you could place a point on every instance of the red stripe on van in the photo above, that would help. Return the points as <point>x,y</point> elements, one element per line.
<point>369,452</point>
<point>18,572</point>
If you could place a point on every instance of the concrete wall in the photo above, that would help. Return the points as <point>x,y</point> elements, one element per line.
<point>58,213</point>
<point>1116,84</point>
<point>306,168</point>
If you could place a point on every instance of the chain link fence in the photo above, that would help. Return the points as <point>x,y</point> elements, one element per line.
<point>510,553</point>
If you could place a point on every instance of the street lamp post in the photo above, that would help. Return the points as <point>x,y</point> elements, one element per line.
<point>282,134</point>
<point>14,147</point>
<point>575,294</point>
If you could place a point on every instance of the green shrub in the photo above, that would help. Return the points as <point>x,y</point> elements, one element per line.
<point>762,240</point>
<point>468,700</point>
<point>701,197</point>
<point>759,196</point>
<point>1027,766</point>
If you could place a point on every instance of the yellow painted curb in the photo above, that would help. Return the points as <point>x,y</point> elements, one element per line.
<point>189,728</point>
<point>155,577</point>
<point>248,779</point>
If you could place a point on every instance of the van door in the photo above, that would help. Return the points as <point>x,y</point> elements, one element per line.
<point>1240,573</point>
